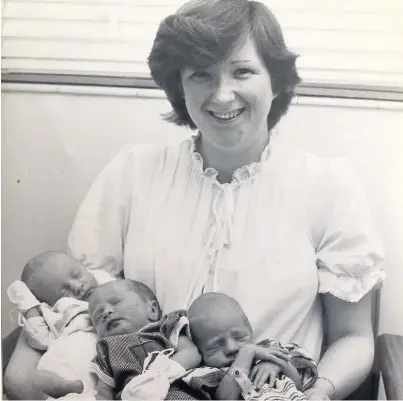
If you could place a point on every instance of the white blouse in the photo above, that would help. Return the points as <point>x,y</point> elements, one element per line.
<point>285,229</point>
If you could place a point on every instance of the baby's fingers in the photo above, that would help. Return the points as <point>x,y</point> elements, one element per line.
<point>253,372</point>
<point>265,353</point>
<point>281,353</point>
<point>272,378</point>
<point>277,361</point>
<point>261,378</point>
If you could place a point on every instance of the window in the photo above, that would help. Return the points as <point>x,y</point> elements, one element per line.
<point>353,43</point>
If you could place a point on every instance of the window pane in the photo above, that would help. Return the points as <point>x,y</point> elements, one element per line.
<point>355,42</point>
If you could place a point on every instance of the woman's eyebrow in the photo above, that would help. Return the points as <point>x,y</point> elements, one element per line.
<point>240,61</point>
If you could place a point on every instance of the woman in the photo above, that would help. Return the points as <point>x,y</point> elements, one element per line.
<point>288,234</point>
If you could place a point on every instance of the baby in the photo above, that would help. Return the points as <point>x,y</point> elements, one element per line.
<point>51,298</point>
<point>235,365</point>
<point>139,353</point>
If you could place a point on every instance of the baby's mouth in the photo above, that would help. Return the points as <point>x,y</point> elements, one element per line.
<point>87,293</point>
<point>112,323</point>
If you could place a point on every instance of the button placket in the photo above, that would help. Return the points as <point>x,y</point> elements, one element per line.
<point>216,241</point>
<point>223,210</point>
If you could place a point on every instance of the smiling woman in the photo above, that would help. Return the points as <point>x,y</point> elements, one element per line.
<point>234,86</point>
<point>249,46</point>
<point>229,101</point>
<point>287,234</point>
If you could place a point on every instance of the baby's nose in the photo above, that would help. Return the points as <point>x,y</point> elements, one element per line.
<point>108,310</point>
<point>231,346</point>
<point>78,288</point>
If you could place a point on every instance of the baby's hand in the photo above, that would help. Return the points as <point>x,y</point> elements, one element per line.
<point>54,385</point>
<point>264,372</point>
<point>278,356</point>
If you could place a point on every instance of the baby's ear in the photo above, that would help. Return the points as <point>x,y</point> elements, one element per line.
<point>154,312</point>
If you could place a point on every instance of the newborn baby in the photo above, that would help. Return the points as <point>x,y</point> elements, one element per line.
<point>235,364</point>
<point>52,299</point>
<point>139,353</point>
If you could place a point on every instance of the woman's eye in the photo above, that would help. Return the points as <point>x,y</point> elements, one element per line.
<point>200,76</point>
<point>243,73</point>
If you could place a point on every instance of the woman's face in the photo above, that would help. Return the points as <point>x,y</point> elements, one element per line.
<point>229,101</point>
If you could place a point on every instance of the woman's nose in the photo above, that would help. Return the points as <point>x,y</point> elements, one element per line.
<point>231,346</point>
<point>223,91</point>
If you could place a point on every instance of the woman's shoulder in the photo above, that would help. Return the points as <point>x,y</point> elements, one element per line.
<point>150,153</point>
<point>312,166</point>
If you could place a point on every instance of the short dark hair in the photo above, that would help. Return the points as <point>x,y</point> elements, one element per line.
<point>143,291</point>
<point>204,32</point>
<point>36,263</point>
<point>207,304</point>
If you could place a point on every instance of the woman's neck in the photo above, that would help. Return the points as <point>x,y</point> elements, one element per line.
<point>227,162</point>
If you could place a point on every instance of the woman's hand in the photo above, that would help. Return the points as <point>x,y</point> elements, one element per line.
<point>264,372</point>
<point>316,394</point>
<point>18,380</point>
<point>55,386</point>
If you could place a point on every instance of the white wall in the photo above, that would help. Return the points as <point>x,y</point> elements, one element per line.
<point>54,144</point>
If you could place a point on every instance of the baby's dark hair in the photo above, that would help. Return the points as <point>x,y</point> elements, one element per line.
<point>34,265</point>
<point>209,303</point>
<point>145,292</point>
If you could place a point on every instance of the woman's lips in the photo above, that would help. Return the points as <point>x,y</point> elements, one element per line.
<point>226,116</point>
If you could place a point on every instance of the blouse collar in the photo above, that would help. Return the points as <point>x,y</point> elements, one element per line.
<point>241,174</point>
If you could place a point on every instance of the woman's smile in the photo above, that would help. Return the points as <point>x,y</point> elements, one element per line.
<point>227,117</point>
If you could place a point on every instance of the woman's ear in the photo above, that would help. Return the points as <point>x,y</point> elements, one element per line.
<point>154,312</point>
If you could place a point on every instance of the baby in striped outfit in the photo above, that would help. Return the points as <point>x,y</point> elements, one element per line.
<point>234,365</point>
<point>140,354</point>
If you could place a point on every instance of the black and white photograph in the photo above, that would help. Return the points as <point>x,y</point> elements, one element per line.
<point>202,200</point>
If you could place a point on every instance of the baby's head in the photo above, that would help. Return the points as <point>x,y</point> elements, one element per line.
<point>219,328</point>
<point>122,307</point>
<point>53,275</point>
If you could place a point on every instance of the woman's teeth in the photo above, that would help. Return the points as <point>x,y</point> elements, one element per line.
<point>227,116</point>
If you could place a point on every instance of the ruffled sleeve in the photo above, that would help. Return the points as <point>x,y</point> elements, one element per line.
<point>349,250</point>
<point>98,233</point>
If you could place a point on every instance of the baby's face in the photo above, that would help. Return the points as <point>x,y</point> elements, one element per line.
<point>219,338</point>
<point>62,276</point>
<point>116,309</point>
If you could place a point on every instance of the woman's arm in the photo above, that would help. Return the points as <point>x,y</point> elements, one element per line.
<point>18,378</point>
<point>349,356</point>
<point>98,233</point>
